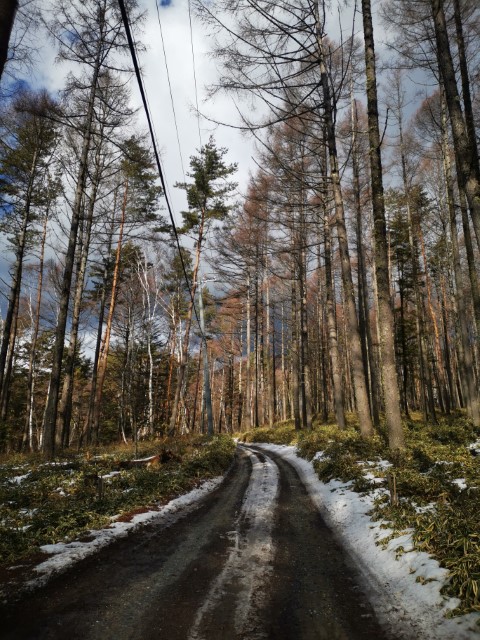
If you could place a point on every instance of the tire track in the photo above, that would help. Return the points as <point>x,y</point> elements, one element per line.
<point>249,562</point>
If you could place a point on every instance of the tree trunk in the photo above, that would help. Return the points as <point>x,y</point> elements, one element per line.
<point>188,323</point>
<point>465,147</point>
<point>206,373</point>
<point>466,95</point>
<point>105,346</point>
<point>270,359</point>
<point>247,419</point>
<point>363,310</point>
<point>338,398</point>
<point>438,352</point>
<point>472,269</point>
<point>469,390</point>
<point>8,9</point>
<point>385,313</point>
<point>5,395</point>
<point>66,401</point>
<point>446,348</point>
<point>358,365</point>
<point>16,281</point>
<point>303,327</point>
<point>101,316</point>
<point>55,377</point>
<point>413,232</point>
<point>33,348</point>
<point>283,368</point>
<point>294,358</point>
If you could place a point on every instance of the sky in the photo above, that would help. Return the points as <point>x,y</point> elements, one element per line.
<point>176,53</point>
<point>192,131</point>
<point>173,16</point>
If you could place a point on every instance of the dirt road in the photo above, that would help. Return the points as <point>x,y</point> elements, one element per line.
<point>254,561</point>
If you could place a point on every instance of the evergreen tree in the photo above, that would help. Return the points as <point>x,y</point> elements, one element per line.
<point>207,198</point>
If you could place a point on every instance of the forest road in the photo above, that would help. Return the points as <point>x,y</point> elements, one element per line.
<point>254,561</point>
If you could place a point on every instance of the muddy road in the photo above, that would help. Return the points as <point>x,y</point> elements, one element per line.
<point>254,561</point>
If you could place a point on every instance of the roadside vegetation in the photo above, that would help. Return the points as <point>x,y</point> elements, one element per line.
<point>430,490</point>
<point>48,502</point>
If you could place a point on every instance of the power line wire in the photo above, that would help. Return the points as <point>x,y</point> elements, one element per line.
<point>194,71</point>
<point>133,54</point>
<point>170,89</point>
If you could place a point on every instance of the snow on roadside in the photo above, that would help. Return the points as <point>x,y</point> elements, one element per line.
<point>63,555</point>
<point>414,608</point>
<point>18,479</point>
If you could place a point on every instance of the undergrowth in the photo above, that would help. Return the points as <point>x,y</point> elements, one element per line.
<point>42,503</point>
<point>437,482</point>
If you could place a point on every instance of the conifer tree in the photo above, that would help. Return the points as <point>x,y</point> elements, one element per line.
<point>207,198</point>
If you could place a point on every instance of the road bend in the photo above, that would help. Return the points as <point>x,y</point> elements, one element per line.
<point>254,560</point>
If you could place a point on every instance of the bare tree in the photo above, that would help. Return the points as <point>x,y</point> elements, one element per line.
<point>8,9</point>
<point>386,320</point>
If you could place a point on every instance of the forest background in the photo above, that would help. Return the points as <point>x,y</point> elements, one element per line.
<point>341,284</point>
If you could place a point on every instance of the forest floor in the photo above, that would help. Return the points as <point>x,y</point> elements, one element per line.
<point>309,535</point>
<point>53,513</point>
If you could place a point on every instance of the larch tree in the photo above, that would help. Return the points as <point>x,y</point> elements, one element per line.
<point>25,155</point>
<point>89,34</point>
<point>135,206</point>
<point>386,321</point>
<point>463,130</point>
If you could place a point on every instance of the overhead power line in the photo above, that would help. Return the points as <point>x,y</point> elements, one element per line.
<point>194,70</point>
<point>170,89</point>
<point>131,46</point>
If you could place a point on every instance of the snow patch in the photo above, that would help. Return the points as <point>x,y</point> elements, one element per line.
<point>65,554</point>
<point>19,479</point>
<point>251,555</point>
<point>112,474</point>
<point>475,448</point>
<point>404,587</point>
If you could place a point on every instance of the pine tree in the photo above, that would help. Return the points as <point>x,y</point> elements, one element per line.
<point>207,198</point>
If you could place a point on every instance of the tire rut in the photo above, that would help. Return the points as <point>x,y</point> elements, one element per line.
<point>133,588</point>
<point>315,592</point>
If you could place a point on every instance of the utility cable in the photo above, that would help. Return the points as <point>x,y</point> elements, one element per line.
<point>170,89</point>
<point>131,47</point>
<point>194,71</point>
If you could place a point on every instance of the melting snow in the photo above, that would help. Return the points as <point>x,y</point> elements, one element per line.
<point>404,585</point>
<point>373,478</point>
<point>64,554</point>
<point>475,448</point>
<point>19,479</point>
<point>112,474</point>
<point>251,555</point>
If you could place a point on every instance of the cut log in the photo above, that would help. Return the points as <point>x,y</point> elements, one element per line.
<point>143,462</point>
<point>165,455</point>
